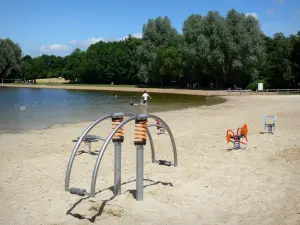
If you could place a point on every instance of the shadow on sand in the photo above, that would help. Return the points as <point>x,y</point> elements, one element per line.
<point>104,202</point>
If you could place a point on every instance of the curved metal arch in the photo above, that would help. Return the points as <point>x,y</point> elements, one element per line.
<point>71,159</point>
<point>165,125</point>
<point>102,151</point>
<point>90,127</point>
<point>156,125</point>
<point>151,146</point>
<point>104,147</point>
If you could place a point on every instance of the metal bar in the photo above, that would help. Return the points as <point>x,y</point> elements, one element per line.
<point>151,146</point>
<point>101,138</point>
<point>71,159</point>
<point>170,135</point>
<point>156,125</point>
<point>102,151</point>
<point>139,172</point>
<point>117,168</point>
<point>90,147</point>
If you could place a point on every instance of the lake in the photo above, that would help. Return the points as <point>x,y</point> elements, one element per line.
<point>23,109</point>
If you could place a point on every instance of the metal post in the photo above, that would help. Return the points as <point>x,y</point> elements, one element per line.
<point>117,168</point>
<point>118,138</point>
<point>139,172</point>
<point>139,142</point>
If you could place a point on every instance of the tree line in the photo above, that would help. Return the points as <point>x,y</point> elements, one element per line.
<point>211,52</point>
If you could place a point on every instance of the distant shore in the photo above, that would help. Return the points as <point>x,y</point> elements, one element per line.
<point>126,89</point>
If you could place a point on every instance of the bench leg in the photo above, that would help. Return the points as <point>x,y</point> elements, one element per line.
<point>90,147</point>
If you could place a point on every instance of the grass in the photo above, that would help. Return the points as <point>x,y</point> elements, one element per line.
<point>61,81</point>
<point>91,85</point>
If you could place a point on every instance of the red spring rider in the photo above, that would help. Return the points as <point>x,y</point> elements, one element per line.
<point>241,133</point>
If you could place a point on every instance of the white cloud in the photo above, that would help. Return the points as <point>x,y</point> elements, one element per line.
<point>271,11</point>
<point>59,48</point>
<point>136,35</point>
<point>73,42</point>
<point>91,41</point>
<point>54,48</point>
<point>254,14</point>
<point>87,42</point>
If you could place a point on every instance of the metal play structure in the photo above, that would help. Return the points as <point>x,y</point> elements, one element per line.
<point>270,126</point>
<point>235,138</point>
<point>117,137</point>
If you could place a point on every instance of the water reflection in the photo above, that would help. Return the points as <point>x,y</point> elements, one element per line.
<point>45,107</point>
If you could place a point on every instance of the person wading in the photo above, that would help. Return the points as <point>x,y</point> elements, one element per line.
<point>145,97</point>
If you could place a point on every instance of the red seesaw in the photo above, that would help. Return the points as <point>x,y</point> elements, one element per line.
<point>236,138</point>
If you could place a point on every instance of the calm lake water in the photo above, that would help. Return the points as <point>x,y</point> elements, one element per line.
<point>24,109</point>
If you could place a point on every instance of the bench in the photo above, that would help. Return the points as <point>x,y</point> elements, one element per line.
<point>88,139</point>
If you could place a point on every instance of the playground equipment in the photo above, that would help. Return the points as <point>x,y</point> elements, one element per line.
<point>235,138</point>
<point>117,137</point>
<point>88,139</point>
<point>268,125</point>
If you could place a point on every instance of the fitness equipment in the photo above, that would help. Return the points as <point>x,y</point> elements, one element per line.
<point>235,138</point>
<point>88,139</point>
<point>117,137</point>
<point>270,126</point>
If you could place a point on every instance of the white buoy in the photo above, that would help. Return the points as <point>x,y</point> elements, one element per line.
<point>22,108</point>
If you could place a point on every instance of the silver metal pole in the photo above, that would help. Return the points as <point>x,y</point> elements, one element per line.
<point>151,146</point>
<point>71,159</point>
<point>117,168</point>
<point>101,153</point>
<point>139,172</point>
<point>170,135</point>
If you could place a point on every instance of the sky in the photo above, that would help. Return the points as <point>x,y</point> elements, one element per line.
<point>59,26</point>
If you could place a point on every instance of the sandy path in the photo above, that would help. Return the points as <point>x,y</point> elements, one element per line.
<point>211,185</point>
<point>132,89</point>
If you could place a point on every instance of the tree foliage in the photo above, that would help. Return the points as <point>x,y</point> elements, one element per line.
<point>212,50</point>
<point>10,58</point>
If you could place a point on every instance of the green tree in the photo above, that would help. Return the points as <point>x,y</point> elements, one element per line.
<point>10,58</point>
<point>75,66</point>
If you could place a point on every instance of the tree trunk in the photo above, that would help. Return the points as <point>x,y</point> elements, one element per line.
<point>216,82</point>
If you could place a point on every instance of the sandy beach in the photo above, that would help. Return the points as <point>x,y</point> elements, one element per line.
<point>134,89</point>
<point>211,185</point>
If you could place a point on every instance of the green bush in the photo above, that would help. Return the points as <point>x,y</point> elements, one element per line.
<point>253,85</point>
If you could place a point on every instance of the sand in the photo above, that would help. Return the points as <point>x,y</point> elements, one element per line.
<point>211,185</point>
<point>136,89</point>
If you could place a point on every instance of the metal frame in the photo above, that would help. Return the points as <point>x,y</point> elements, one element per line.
<point>107,140</point>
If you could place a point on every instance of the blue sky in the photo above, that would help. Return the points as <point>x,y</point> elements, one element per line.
<point>59,26</point>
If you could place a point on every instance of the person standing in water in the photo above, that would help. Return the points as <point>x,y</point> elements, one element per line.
<point>145,97</point>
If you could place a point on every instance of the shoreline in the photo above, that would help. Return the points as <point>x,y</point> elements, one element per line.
<point>130,89</point>
<point>76,123</point>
